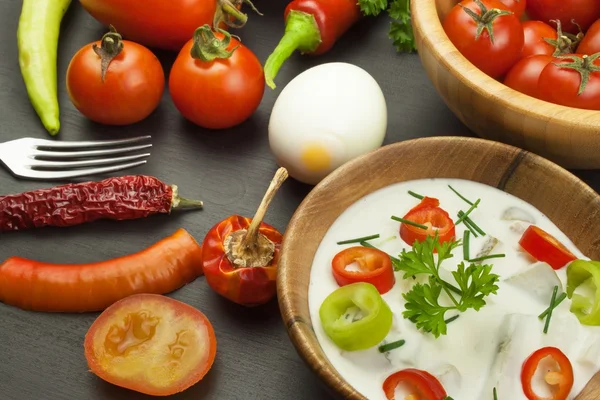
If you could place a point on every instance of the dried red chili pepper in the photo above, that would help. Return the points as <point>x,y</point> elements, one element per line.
<point>239,254</point>
<point>122,198</point>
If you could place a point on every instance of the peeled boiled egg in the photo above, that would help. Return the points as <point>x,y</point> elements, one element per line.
<point>324,117</point>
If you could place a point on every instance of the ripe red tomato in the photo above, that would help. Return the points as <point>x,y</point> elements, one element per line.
<point>525,74</point>
<point>154,23</point>
<point>591,41</point>
<point>535,34</point>
<point>220,93</point>
<point>561,85</point>
<point>151,344</point>
<point>132,87</point>
<point>584,12</point>
<point>516,6</point>
<point>494,58</point>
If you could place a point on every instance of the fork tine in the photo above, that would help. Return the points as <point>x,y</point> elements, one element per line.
<point>51,175</point>
<point>85,163</point>
<point>88,153</point>
<point>54,144</point>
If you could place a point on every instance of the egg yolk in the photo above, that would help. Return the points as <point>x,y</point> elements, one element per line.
<point>316,158</point>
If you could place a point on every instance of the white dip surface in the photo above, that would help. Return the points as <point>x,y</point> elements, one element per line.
<point>481,350</point>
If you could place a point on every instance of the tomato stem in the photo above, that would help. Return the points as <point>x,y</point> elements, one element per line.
<point>486,19</point>
<point>249,248</point>
<point>301,33</point>
<point>110,47</point>
<point>228,13</point>
<point>584,65</point>
<point>208,47</point>
<point>565,43</point>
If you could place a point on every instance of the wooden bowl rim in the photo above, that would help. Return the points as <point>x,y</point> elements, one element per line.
<point>425,19</point>
<point>300,331</point>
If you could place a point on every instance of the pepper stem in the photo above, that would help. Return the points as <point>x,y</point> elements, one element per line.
<point>110,47</point>
<point>208,47</point>
<point>301,33</point>
<point>249,248</point>
<point>181,203</point>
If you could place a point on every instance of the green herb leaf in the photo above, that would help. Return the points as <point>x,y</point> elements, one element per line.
<point>372,7</point>
<point>423,308</point>
<point>475,282</point>
<point>401,31</point>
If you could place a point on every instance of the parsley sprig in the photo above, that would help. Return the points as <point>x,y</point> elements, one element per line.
<point>401,30</point>
<point>475,282</point>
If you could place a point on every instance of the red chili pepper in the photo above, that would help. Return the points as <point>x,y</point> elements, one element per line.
<point>161,268</point>
<point>425,385</point>
<point>375,268</point>
<point>560,380</point>
<point>313,27</point>
<point>240,255</point>
<point>544,247</point>
<point>427,213</point>
<point>127,197</point>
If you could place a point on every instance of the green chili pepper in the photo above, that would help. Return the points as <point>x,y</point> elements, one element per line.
<point>586,309</point>
<point>37,38</point>
<point>339,314</point>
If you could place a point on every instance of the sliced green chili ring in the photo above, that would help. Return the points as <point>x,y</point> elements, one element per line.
<point>364,333</point>
<point>586,309</point>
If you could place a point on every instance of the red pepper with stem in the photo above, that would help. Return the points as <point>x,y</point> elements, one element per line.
<point>311,26</point>
<point>122,198</point>
<point>559,374</point>
<point>239,255</point>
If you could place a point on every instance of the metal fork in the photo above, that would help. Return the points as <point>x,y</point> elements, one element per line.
<point>42,159</point>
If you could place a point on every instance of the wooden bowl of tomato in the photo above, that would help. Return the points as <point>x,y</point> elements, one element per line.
<point>556,193</point>
<point>555,119</point>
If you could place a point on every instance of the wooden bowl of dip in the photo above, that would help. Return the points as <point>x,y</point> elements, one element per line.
<point>568,136</point>
<point>568,202</point>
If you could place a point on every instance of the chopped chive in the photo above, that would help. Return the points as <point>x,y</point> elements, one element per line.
<point>448,398</point>
<point>473,224</point>
<point>469,211</point>
<point>552,300</point>
<point>417,195</point>
<point>408,222</point>
<point>559,300</point>
<point>466,237</point>
<point>482,258</point>
<point>495,394</point>
<point>367,244</point>
<point>452,319</point>
<point>471,229</point>
<point>461,196</point>
<point>360,239</point>
<point>391,346</point>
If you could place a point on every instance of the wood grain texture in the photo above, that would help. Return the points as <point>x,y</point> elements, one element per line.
<point>568,136</point>
<point>555,192</point>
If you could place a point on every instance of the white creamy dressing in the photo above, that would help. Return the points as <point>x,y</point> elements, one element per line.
<point>483,349</point>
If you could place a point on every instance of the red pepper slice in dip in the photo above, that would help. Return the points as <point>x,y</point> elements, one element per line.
<point>544,247</point>
<point>561,379</point>
<point>427,213</point>
<point>424,385</point>
<point>375,268</point>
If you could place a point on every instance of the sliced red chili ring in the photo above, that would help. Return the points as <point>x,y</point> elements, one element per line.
<point>375,268</point>
<point>544,247</point>
<point>424,385</point>
<point>560,380</point>
<point>429,214</point>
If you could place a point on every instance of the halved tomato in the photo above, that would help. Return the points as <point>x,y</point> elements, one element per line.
<point>151,344</point>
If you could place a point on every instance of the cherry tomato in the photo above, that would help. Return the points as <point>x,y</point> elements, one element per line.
<point>524,76</point>
<point>430,215</point>
<point>516,6</point>
<point>560,380</point>
<point>157,23</point>
<point>494,57</point>
<point>536,35</point>
<point>544,247</point>
<point>561,82</point>
<point>375,268</point>
<point>223,89</point>
<point>584,12</point>
<point>424,385</point>
<point>151,344</point>
<point>591,41</point>
<point>126,91</point>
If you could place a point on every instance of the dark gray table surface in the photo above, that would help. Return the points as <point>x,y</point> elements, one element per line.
<point>41,355</point>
